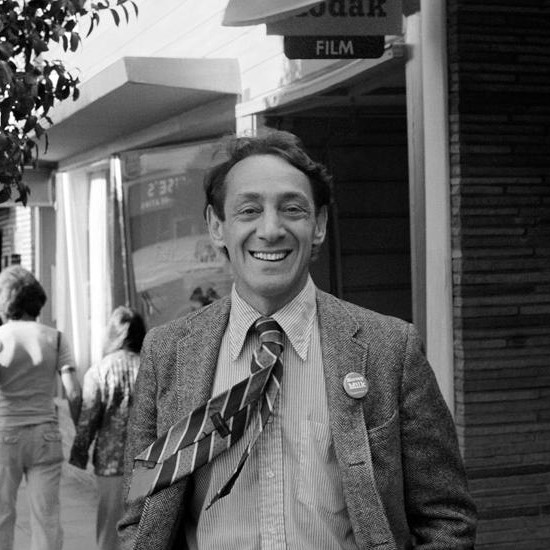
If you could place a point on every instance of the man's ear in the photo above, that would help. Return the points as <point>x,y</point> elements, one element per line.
<point>215,227</point>
<point>320,232</point>
<point>320,226</point>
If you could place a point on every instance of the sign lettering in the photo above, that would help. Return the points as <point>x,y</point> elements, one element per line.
<point>348,8</point>
<point>343,17</point>
<point>157,194</point>
<point>333,47</point>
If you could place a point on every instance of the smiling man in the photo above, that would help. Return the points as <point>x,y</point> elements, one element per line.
<point>280,416</point>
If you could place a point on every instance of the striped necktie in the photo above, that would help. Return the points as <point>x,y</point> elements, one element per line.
<point>215,426</point>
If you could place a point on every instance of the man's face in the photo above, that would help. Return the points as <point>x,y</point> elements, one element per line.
<point>269,230</point>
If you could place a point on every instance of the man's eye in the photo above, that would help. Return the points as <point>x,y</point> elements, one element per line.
<point>249,211</point>
<point>294,209</point>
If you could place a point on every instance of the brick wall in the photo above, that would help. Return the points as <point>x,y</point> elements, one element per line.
<point>16,227</point>
<point>499,86</point>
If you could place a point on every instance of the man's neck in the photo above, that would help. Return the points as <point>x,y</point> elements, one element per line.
<point>268,305</point>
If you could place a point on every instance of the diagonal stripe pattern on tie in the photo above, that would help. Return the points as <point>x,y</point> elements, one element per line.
<point>213,427</point>
<point>267,356</point>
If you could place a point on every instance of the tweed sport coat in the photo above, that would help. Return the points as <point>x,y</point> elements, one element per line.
<point>404,484</point>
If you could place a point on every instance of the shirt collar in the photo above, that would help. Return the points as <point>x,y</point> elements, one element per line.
<point>296,320</point>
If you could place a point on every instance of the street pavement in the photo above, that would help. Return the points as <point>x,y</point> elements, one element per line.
<point>78,499</point>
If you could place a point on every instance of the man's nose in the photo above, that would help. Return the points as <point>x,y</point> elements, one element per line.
<point>271,227</point>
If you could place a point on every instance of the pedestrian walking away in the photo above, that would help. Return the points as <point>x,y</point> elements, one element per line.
<point>31,357</point>
<point>107,396</point>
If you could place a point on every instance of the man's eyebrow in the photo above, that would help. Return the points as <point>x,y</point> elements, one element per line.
<point>247,196</point>
<point>251,195</point>
<point>294,195</point>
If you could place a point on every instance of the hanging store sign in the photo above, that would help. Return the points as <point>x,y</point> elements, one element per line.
<point>333,47</point>
<point>256,12</point>
<point>343,17</point>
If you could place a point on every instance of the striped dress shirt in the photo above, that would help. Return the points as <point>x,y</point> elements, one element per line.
<point>289,494</point>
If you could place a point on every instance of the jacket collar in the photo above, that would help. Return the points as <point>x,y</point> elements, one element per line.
<point>202,335</point>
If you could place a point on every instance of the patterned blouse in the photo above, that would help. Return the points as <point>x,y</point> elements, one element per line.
<point>106,398</point>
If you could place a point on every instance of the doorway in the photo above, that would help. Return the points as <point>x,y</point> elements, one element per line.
<point>367,260</point>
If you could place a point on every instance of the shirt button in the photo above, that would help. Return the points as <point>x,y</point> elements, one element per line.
<point>270,474</point>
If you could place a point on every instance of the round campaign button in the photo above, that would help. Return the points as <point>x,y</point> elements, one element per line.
<point>356,385</point>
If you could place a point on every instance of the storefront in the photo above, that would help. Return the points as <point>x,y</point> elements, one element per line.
<point>132,151</point>
<point>128,226</point>
<point>438,148</point>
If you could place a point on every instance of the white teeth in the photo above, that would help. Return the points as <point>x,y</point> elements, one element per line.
<point>269,256</point>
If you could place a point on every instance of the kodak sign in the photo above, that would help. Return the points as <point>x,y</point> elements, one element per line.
<point>343,17</point>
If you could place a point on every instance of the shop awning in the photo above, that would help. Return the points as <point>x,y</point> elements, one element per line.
<point>244,12</point>
<point>132,94</point>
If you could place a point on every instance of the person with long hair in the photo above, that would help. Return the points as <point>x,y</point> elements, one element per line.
<point>31,356</point>
<point>107,395</point>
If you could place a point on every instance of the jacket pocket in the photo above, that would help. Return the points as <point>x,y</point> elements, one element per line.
<point>385,444</point>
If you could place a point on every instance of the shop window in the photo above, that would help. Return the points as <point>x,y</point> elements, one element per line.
<point>173,266</point>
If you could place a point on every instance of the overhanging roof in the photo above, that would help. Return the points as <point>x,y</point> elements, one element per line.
<point>132,94</point>
<point>247,12</point>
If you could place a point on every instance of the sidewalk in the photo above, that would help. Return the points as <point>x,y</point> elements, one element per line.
<point>78,499</point>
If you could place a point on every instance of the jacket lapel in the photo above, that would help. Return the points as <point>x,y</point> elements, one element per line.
<point>197,355</point>
<point>196,359</point>
<point>345,352</point>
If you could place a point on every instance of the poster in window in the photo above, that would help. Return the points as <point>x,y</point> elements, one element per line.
<point>175,266</point>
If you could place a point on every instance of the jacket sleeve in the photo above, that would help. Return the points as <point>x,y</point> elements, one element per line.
<point>142,431</point>
<point>440,511</point>
<point>89,419</point>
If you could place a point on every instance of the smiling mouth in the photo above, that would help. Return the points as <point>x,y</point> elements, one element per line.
<point>270,256</point>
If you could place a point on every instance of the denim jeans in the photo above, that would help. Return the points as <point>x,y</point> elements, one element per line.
<point>36,453</point>
<point>109,511</point>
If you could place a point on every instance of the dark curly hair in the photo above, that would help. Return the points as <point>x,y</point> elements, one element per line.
<point>20,294</point>
<point>275,142</point>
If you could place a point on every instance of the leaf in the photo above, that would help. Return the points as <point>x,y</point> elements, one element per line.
<point>39,131</point>
<point>92,23</point>
<point>135,7</point>
<point>64,93</point>
<point>76,94</point>
<point>126,14</point>
<point>116,17</point>
<point>5,111</point>
<point>75,39</point>
<point>4,142</point>
<point>39,46</point>
<point>30,124</point>
<point>5,193</point>
<point>47,102</point>
<point>23,192</point>
<point>61,83</point>
<point>6,74</point>
<point>65,42</point>
<point>6,50</point>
